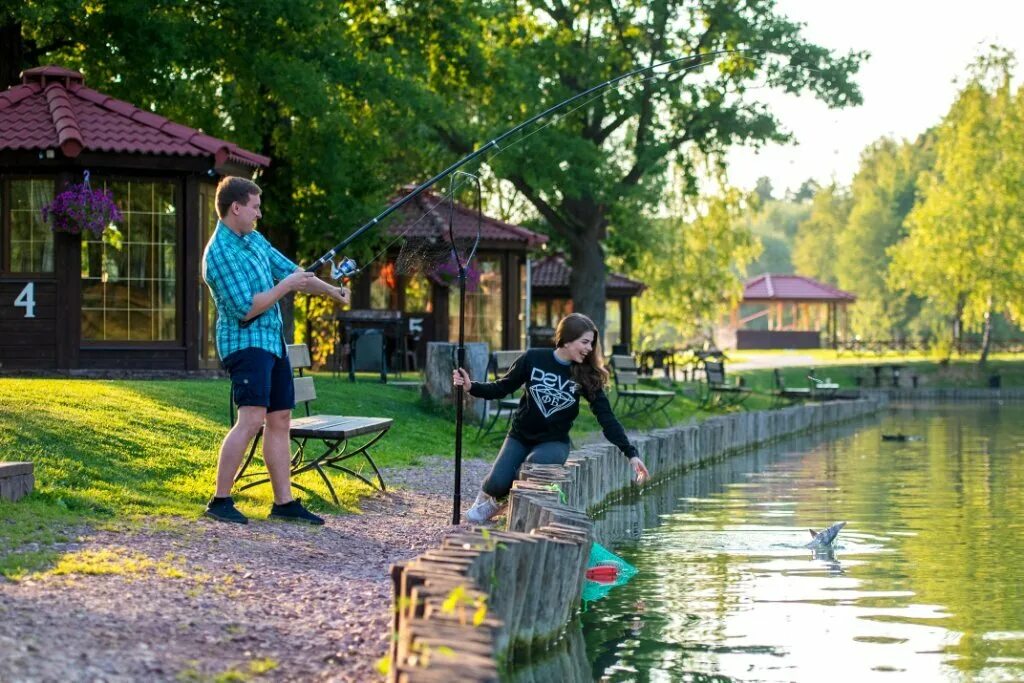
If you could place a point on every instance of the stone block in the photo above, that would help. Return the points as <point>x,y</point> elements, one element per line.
<point>16,480</point>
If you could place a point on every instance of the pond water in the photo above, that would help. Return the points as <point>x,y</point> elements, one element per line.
<point>925,583</point>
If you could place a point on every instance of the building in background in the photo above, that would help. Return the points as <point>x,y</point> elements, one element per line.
<point>786,312</point>
<point>133,298</point>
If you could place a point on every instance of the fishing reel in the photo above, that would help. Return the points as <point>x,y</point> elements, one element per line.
<point>343,269</point>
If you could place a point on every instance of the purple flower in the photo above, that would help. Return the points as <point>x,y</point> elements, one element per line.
<point>79,207</point>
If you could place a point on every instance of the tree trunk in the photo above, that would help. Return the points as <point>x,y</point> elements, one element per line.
<point>956,323</point>
<point>586,285</point>
<point>12,53</point>
<point>986,337</point>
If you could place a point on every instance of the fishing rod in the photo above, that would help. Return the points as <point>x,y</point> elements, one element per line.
<point>347,267</point>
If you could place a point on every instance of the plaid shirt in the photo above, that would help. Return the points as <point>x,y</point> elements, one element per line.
<point>236,268</point>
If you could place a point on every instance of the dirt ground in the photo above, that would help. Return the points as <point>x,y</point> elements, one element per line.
<point>198,600</point>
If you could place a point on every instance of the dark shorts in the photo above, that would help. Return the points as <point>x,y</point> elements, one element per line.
<point>259,378</point>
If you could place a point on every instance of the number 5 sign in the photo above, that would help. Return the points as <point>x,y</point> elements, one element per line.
<point>27,299</point>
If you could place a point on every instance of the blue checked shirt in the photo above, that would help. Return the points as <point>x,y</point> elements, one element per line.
<point>237,268</point>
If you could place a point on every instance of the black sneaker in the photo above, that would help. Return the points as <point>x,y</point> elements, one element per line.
<point>294,512</point>
<point>223,510</point>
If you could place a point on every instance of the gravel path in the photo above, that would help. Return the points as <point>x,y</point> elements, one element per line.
<point>195,600</point>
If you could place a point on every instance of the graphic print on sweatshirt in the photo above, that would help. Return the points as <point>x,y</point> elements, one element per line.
<point>550,392</point>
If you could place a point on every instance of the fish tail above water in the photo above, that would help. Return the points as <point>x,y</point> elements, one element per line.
<point>825,536</point>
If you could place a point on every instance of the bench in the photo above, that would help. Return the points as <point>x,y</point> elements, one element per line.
<point>334,432</point>
<point>827,390</point>
<point>637,400</point>
<point>791,394</point>
<point>498,365</point>
<point>718,392</point>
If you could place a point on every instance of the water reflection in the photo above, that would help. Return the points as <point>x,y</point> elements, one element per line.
<point>923,581</point>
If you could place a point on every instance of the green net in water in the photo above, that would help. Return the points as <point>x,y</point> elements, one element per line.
<point>601,557</point>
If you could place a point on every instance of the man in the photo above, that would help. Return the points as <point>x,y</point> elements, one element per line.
<point>247,277</point>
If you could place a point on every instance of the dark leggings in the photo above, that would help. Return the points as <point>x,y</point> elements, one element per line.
<point>511,457</point>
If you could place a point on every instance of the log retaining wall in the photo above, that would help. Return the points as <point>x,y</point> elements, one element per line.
<point>948,394</point>
<point>461,607</point>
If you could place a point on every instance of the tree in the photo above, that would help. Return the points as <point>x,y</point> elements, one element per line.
<point>965,240</point>
<point>763,189</point>
<point>696,274</point>
<point>815,250</point>
<point>775,224</point>
<point>596,174</point>
<point>806,192</point>
<point>883,192</point>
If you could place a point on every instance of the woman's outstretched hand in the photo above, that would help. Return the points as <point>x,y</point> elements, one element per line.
<point>639,470</point>
<point>460,378</point>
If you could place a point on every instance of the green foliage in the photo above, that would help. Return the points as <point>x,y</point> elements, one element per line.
<point>963,250</point>
<point>775,223</point>
<point>696,273</point>
<point>815,247</point>
<point>882,194</point>
<point>594,174</point>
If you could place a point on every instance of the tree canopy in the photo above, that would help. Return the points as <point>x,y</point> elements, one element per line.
<point>596,174</point>
<point>353,99</point>
<point>696,274</point>
<point>964,251</point>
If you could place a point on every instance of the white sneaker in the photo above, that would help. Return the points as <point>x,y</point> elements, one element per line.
<point>483,509</point>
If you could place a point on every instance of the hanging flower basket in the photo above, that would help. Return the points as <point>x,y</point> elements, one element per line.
<point>79,208</point>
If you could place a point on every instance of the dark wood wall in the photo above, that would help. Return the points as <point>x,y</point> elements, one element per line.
<point>28,342</point>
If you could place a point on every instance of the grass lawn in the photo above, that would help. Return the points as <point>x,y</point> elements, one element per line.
<point>109,452</point>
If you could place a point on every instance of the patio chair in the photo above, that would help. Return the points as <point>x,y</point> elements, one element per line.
<point>717,392</point>
<point>635,399</point>
<point>498,365</point>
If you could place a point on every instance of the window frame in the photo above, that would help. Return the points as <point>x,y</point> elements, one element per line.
<point>5,226</point>
<point>179,275</point>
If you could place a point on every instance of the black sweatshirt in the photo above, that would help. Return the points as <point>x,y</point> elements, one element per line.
<point>551,401</point>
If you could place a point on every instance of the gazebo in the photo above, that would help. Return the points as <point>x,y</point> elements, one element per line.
<point>786,312</point>
<point>425,306</point>
<point>550,301</point>
<point>133,298</point>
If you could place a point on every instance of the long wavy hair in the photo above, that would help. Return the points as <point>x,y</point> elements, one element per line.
<point>590,374</point>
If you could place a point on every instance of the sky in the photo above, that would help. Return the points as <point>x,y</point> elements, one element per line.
<point>918,48</point>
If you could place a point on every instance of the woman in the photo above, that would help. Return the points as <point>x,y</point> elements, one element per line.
<point>555,380</point>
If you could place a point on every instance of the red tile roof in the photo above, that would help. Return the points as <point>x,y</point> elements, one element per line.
<point>772,287</point>
<point>553,271</point>
<point>427,216</point>
<point>52,108</point>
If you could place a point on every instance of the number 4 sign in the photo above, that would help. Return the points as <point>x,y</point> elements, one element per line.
<point>27,298</point>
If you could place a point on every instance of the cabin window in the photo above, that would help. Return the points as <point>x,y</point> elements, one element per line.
<point>129,274</point>
<point>30,244</point>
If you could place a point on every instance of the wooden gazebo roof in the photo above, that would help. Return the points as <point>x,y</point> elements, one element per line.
<point>773,287</point>
<point>427,216</point>
<point>53,110</point>
<point>553,272</point>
